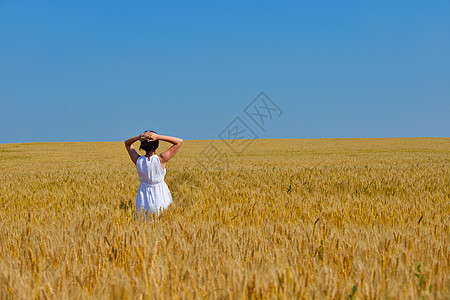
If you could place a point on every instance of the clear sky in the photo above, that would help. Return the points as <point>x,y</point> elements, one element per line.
<point>106,70</point>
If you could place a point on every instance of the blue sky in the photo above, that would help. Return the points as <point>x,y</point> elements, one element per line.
<point>107,70</point>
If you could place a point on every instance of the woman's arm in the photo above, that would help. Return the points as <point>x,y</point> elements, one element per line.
<point>169,153</point>
<point>129,145</point>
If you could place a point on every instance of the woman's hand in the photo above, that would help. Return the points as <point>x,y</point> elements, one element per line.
<point>143,137</point>
<point>153,136</point>
<point>149,136</point>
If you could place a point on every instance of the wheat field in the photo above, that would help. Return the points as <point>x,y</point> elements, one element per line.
<point>286,219</point>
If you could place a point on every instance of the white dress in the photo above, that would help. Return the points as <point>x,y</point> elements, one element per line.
<point>153,195</point>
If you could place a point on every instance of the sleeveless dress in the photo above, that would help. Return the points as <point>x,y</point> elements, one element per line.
<point>153,195</point>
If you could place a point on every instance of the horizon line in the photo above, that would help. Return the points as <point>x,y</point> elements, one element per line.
<point>328,138</point>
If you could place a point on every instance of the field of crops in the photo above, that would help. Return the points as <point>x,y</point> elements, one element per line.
<point>321,219</point>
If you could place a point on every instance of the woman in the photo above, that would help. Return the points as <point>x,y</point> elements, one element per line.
<point>153,195</point>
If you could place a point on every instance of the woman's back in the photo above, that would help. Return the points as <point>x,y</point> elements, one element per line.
<point>150,170</point>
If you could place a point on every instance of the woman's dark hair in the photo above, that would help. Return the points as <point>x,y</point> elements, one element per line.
<point>149,146</point>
